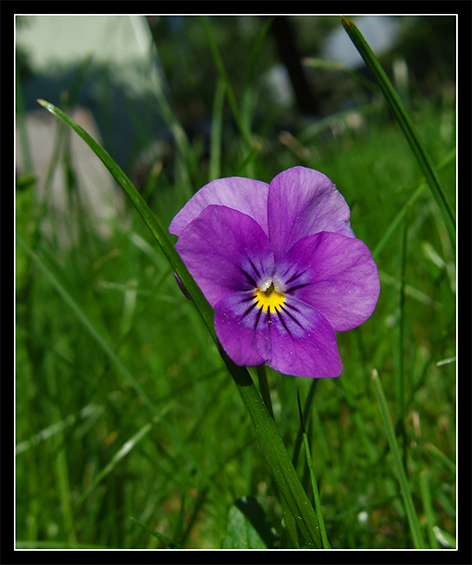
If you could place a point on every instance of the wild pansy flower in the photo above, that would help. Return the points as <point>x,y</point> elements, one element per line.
<point>281,266</point>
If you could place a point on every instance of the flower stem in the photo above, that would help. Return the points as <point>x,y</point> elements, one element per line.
<point>264,388</point>
<point>268,436</point>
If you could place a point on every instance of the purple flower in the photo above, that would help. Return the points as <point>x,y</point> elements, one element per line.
<point>281,266</point>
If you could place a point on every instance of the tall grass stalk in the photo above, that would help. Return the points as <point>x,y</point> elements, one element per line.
<point>411,134</point>
<point>405,489</point>
<point>268,435</point>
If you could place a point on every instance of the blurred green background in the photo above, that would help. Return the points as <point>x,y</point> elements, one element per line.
<point>124,410</point>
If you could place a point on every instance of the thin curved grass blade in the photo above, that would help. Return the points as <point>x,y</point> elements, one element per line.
<point>171,544</point>
<point>267,433</point>
<point>409,130</point>
<point>412,516</point>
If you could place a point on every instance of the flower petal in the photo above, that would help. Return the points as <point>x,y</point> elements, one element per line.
<point>337,276</point>
<point>299,341</point>
<point>235,317</point>
<point>303,202</point>
<point>225,251</point>
<point>246,195</point>
<point>296,340</point>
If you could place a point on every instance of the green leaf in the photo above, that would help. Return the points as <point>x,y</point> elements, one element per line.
<point>247,527</point>
<point>409,130</point>
<point>267,433</point>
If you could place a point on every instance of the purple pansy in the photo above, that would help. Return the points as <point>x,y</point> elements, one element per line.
<point>281,266</point>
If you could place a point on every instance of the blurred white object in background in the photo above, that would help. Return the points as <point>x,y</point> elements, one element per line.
<point>91,201</point>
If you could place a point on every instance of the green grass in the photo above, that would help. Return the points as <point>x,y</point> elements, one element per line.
<point>126,414</point>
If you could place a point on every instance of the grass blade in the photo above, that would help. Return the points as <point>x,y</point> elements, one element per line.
<point>400,376</point>
<point>428,508</point>
<point>413,520</point>
<point>419,186</point>
<point>316,494</point>
<point>89,411</point>
<point>88,325</point>
<point>115,460</point>
<point>443,459</point>
<point>305,413</point>
<point>149,218</point>
<point>445,539</point>
<point>161,537</point>
<point>216,133</point>
<point>267,433</point>
<point>409,130</point>
<point>225,80</point>
<point>340,67</point>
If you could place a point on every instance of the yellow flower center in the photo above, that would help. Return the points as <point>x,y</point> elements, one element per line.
<point>269,298</point>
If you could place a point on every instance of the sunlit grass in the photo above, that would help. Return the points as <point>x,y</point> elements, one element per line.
<point>125,410</point>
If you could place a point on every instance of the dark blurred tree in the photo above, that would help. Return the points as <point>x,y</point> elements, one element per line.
<point>190,69</point>
<point>429,48</point>
<point>23,59</point>
<point>289,54</point>
<point>188,64</point>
